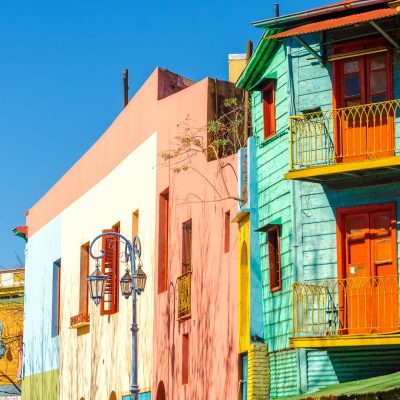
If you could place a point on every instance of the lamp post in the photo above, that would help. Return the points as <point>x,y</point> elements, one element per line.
<point>132,283</point>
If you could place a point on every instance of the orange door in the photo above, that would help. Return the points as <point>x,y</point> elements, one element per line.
<point>355,299</point>
<point>369,294</point>
<point>383,253</point>
<point>364,125</point>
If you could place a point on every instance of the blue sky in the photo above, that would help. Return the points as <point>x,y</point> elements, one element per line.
<point>60,77</point>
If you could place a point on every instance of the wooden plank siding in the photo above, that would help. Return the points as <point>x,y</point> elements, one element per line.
<point>274,201</point>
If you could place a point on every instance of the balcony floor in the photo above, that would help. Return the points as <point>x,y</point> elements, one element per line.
<point>317,342</point>
<point>359,173</point>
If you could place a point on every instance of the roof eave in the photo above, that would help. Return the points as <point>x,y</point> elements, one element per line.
<point>285,19</point>
<point>247,77</point>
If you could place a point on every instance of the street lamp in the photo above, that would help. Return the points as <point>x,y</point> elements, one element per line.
<point>131,284</point>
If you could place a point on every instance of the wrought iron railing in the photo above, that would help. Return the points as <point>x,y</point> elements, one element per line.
<point>365,305</point>
<point>184,299</point>
<point>340,135</point>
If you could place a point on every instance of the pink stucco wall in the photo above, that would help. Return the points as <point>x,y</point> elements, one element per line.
<point>213,365</point>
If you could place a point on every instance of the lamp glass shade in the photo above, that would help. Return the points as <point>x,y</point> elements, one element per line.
<point>97,285</point>
<point>126,285</point>
<point>139,279</point>
<point>2,348</point>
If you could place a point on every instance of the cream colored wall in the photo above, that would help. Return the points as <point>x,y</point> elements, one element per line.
<point>94,364</point>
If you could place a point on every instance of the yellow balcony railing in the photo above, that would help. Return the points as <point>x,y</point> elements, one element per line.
<point>362,132</point>
<point>366,305</point>
<point>184,300</point>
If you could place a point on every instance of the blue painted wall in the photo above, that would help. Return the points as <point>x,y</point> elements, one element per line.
<point>40,343</point>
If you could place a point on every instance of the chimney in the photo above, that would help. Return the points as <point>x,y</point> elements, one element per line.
<point>276,10</point>
<point>126,87</point>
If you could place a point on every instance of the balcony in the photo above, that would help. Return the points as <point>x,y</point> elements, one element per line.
<point>346,312</point>
<point>354,145</point>
<point>80,320</point>
<point>184,300</point>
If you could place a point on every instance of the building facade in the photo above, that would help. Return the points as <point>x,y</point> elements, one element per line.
<point>324,87</point>
<point>11,331</point>
<point>188,312</point>
<point>196,283</point>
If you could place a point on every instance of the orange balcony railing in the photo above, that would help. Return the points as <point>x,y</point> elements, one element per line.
<point>366,305</point>
<point>362,132</point>
<point>184,296</point>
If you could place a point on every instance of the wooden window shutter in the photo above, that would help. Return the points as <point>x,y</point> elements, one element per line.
<point>187,247</point>
<point>110,267</point>
<point>274,261</point>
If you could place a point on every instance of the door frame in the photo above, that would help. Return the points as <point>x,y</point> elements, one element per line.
<point>341,214</point>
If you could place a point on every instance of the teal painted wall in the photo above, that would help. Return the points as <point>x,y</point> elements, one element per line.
<point>345,365</point>
<point>284,374</point>
<point>274,201</point>
<point>306,213</point>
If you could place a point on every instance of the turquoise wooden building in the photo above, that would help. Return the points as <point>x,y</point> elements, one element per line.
<point>325,89</point>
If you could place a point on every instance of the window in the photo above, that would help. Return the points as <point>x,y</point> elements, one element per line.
<point>185,359</point>
<point>363,79</point>
<point>56,295</point>
<point>187,247</point>
<point>227,231</point>
<point>163,240</point>
<point>83,282</point>
<point>268,99</point>
<point>274,260</point>
<point>110,267</point>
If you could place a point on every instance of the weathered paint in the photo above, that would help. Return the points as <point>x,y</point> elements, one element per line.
<point>345,365</point>
<point>115,178</point>
<point>283,374</point>
<point>305,211</point>
<point>43,385</point>
<point>244,284</point>
<point>212,328</point>
<point>258,372</point>
<point>41,354</point>
<point>109,338</point>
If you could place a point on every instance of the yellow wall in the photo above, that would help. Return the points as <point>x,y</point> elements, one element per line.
<point>244,284</point>
<point>236,66</point>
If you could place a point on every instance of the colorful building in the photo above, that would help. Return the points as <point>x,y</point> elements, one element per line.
<point>11,331</point>
<point>195,341</point>
<point>187,313</point>
<point>325,91</point>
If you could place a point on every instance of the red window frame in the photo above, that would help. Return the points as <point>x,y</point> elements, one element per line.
<point>268,100</point>
<point>185,359</point>
<point>227,231</point>
<point>163,223</point>
<point>274,258</point>
<point>83,284</point>
<point>337,73</point>
<point>187,246</point>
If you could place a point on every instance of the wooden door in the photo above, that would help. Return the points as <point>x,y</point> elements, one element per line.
<point>364,123</point>
<point>355,297</point>
<point>368,296</point>
<point>383,253</point>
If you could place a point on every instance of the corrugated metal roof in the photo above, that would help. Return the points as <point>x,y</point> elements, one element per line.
<point>340,6</point>
<point>336,23</point>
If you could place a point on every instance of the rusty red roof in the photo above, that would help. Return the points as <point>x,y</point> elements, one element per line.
<point>336,23</point>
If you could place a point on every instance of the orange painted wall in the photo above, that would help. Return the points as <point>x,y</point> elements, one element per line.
<point>212,328</point>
